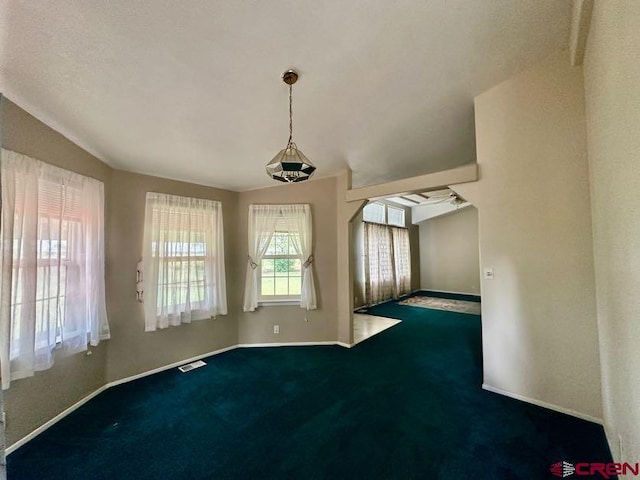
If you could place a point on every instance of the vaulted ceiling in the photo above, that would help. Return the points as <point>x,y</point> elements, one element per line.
<point>192,90</point>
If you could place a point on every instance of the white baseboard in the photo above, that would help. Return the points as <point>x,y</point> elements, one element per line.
<point>53,421</point>
<point>169,367</point>
<point>286,344</point>
<point>540,403</point>
<point>345,345</point>
<point>448,291</point>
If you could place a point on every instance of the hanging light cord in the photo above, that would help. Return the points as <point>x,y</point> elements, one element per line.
<point>290,116</point>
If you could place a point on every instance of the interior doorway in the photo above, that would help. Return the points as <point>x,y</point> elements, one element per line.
<point>440,229</point>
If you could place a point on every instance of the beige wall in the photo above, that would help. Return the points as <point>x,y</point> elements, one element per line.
<point>26,134</point>
<point>25,405</point>
<point>131,350</point>
<point>320,324</point>
<point>612,87</point>
<point>539,316</point>
<point>449,253</point>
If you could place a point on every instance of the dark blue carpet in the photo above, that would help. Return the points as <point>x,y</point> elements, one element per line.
<point>404,404</point>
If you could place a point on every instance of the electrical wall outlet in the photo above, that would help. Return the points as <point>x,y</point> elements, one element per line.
<point>276,329</point>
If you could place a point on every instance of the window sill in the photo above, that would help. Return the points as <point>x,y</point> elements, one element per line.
<point>279,303</point>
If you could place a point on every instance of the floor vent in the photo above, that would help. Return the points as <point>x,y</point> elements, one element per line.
<point>191,366</point>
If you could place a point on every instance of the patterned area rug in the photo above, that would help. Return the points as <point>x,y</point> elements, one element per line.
<point>459,306</point>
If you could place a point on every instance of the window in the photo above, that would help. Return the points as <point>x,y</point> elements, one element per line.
<point>280,275</point>
<point>395,216</point>
<point>384,214</point>
<point>181,280</point>
<point>374,213</point>
<point>388,262</point>
<point>183,260</point>
<point>53,232</point>
<point>280,263</point>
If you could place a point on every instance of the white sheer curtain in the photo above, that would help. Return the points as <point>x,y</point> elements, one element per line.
<point>263,221</point>
<point>298,220</point>
<point>183,260</point>
<point>378,265</point>
<point>402,260</point>
<point>388,262</point>
<point>52,291</point>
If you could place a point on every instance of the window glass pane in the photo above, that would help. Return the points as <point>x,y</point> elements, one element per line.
<point>282,286</point>
<point>295,285</point>
<point>181,281</point>
<point>200,271</point>
<point>267,286</point>
<point>373,212</point>
<point>281,244</point>
<point>292,244</point>
<point>395,216</point>
<point>197,249</point>
<point>267,267</point>
<point>295,266</point>
<point>196,281</point>
<point>282,266</point>
<point>280,276</point>
<point>271,249</point>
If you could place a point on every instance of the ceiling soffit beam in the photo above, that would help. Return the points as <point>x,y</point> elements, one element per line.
<point>413,196</point>
<point>405,202</point>
<point>430,181</point>
<point>580,22</point>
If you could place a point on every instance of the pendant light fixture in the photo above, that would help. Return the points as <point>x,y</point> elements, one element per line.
<point>290,164</point>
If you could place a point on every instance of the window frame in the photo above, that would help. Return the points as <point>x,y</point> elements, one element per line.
<point>192,284</point>
<point>53,241</point>
<point>385,215</point>
<point>188,259</point>
<point>44,264</point>
<point>278,299</point>
<point>398,209</point>
<point>180,235</point>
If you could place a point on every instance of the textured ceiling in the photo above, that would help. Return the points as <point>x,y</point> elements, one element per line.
<point>192,90</point>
